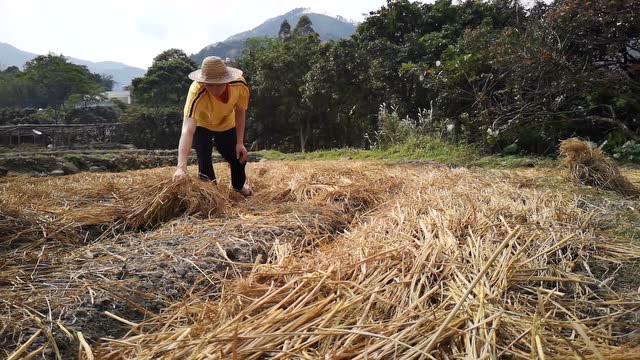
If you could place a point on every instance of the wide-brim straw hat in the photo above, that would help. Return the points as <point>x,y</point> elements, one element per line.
<point>215,71</point>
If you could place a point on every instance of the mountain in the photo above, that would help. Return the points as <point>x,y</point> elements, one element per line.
<point>122,74</point>
<point>11,56</point>
<point>328,27</point>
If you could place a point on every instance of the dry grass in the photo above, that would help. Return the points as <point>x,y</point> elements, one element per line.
<point>592,167</point>
<point>27,228</point>
<point>337,260</point>
<point>457,265</point>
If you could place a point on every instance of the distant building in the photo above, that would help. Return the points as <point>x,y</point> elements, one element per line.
<point>123,96</point>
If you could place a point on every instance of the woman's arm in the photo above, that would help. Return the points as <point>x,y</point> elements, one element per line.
<point>184,147</point>
<point>241,119</point>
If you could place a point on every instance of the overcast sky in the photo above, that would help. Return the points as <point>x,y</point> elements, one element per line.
<point>134,31</point>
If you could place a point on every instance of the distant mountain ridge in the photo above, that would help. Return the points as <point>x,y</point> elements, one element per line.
<point>122,73</point>
<point>12,56</point>
<point>328,27</point>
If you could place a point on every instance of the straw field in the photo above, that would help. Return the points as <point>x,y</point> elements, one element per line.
<point>330,260</point>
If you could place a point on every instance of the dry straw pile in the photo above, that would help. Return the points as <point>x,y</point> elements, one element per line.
<point>590,166</point>
<point>106,202</point>
<point>143,207</point>
<point>454,264</point>
<point>167,200</point>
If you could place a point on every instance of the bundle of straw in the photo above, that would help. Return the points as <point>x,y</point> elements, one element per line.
<point>589,166</point>
<point>168,199</point>
<point>142,207</point>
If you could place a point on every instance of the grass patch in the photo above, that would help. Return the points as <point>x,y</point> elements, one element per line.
<point>513,161</point>
<point>626,226</point>
<point>418,148</point>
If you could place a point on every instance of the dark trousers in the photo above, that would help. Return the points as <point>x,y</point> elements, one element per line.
<point>225,142</point>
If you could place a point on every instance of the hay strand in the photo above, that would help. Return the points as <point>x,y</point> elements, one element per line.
<point>25,346</point>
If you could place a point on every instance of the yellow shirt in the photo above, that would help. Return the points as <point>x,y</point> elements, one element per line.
<point>212,113</point>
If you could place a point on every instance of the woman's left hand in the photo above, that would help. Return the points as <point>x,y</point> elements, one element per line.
<point>241,153</point>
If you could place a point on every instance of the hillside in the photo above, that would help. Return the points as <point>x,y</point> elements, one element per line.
<point>12,56</point>
<point>328,27</point>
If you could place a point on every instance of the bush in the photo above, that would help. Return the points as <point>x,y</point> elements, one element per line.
<point>12,116</point>
<point>629,152</point>
<point>152,128</point>
<point>92,115</point>
<point>391,129</point>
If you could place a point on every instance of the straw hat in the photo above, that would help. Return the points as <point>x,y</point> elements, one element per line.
<point>214,71</point>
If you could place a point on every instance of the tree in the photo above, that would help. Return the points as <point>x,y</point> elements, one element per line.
<point>338,98</point>
<point>106,81</point>
<point>285,31</point>
<point>561,72</point>
<point>304,27</point>
<point>16,92</point>
<point>488,72</point>
<point>276,71</point>
<point>11,70</point>
<point>57,79</point>
<point>166,82</point>
<point>302,51</point>
<point>606,33</point>
<point>152,128</point>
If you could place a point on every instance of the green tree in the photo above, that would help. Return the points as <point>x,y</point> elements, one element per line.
<point>16,92</point>
<point>152,128</point>
<point>275,71</point>
<point>285,31</point>
<point>106,81</point>
<point>606,33</point>
<point>10,71</point>
<point>340,107</point>
<point>488,72</point>
<point>57,79</point>
<point>304,27</point>
<point>542,78</point>
<point>166,82</point>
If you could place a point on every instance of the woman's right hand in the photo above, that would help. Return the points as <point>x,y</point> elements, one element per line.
<point>180,174</point>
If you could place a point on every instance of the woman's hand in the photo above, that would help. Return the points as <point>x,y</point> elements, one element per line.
<point>241,153</point>
<point>180,174</point>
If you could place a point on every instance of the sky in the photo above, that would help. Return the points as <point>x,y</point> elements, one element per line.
<point>135,31</point>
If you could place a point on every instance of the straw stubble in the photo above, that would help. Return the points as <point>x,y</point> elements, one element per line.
<point>456,263</point>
